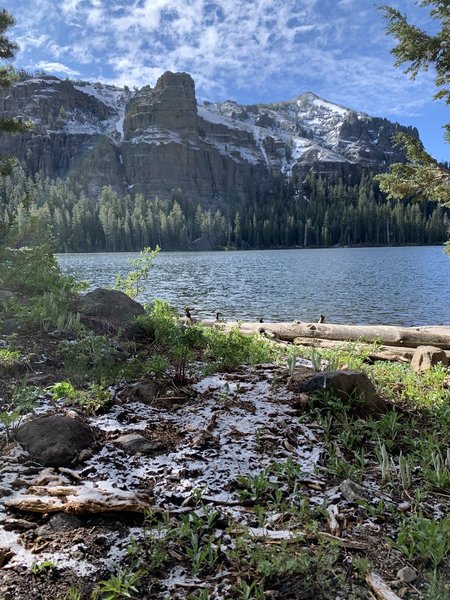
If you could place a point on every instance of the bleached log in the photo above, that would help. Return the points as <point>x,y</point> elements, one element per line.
<point>388,353</point>
<point>388,335</point>
<point>381,590</point>
<point>81,499</point>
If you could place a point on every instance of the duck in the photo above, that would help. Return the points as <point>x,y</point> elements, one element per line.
<point>187,320</point>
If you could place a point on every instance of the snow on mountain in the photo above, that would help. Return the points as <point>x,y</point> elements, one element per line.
<point>159,139</point>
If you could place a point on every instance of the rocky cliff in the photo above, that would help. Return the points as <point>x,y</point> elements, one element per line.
<point>159,139</point>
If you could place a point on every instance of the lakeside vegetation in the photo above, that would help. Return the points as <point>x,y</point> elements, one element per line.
<point>314,213</point>
<point>399,456</point>
<point>288,533</point>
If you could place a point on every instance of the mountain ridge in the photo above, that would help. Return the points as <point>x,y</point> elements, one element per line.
<point>159,139</point>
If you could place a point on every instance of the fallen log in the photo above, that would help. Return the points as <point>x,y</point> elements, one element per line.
<point>388,353</point>
<point>82,499</point>
<point>388,335</point>
<point>379,587</point>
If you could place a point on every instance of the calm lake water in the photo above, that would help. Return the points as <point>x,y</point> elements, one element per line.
<point>404,286</point>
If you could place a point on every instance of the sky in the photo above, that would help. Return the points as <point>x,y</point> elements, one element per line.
<point>250,51</point>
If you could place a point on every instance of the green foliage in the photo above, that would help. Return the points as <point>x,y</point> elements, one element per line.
<point>90,356</point>
<point>227,350</point>
<point>159,365</point>
<point>72,594</point>
<point>424,538</point>
<point>8,357</point>
<point>43,567</point>
<point>134,283</point>
<point>122,584</point>
<point>313,212</point>
<point>422,177</point>
<point>255,487</point>
<point>33,270</point>
<point>8,50</point>
<point>437,588</point>
<point>22,403</point>
<point>92,400</point>
<point>162,324</point>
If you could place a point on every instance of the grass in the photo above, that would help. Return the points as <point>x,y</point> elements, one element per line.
<point>404,452</point>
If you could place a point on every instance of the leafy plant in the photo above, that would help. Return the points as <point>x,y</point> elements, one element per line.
<point>8,357</point>
<point>134,283</point>
<point>437,469</point>
<point>255,487</point>
<point>253,590</point>
<point>227,350</point>
<point>72,594</point>
<point>436,589</point>
<point>424,538</point>
<point>22,403</point>
<point>34,270</point>
<point>43,567</point>
<point>122,584</point>
<point>91,355</point>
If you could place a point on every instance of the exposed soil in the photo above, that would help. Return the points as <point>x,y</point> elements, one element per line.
<point>206,435</point>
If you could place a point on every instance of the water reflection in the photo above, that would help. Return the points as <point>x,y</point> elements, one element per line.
<point>408,286</point>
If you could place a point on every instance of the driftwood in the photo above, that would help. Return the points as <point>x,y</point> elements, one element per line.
<point>388,335</point>
<point>387,353</point>
<point>81,499</point>
<point>381,590</point>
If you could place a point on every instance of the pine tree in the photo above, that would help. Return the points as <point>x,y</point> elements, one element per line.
<point>422,177</point>
<point>8,50</point>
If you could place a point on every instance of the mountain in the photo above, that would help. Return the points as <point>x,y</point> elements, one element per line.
<point>155,140</point>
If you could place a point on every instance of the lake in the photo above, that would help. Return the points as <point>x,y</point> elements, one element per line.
<point>402,285</point>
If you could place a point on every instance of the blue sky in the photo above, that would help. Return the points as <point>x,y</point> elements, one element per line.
<point>245,50</point>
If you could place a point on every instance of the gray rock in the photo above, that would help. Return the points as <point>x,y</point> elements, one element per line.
<point>111,305</point>
<point>54,441</point>
<point>59,522</point>
<point>147,392</point>
<point>346,385</point>
<point>6,296</point>
<point>407,574</point>
<point>426,357</point>
<point>9,326</point>
<point>353,491</point>
<point>134,443</point>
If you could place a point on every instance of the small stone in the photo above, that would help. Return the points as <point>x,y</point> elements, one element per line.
<point>404,506</point>
<point>84,455</point>
<point>147,392</point>
<point>407,574</point>
<point>353,491</point>
<point>134,443</point>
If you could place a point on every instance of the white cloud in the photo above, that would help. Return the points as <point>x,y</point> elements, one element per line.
<point>259,50</point>
<point>54,67</point>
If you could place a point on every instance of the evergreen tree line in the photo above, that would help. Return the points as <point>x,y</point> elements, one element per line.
<point>316,212</point>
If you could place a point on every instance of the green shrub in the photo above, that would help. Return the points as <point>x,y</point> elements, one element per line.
<point>33,270</point>
<point>226,351</point>
<point>91,356</point>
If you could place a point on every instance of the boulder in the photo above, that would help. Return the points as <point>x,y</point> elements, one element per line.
<point>111,305</point>
<point>346,385</point>
<point>426,357</point>
<point>54,441</point>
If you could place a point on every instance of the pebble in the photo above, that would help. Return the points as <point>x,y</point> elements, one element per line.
<point>407,574</point>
